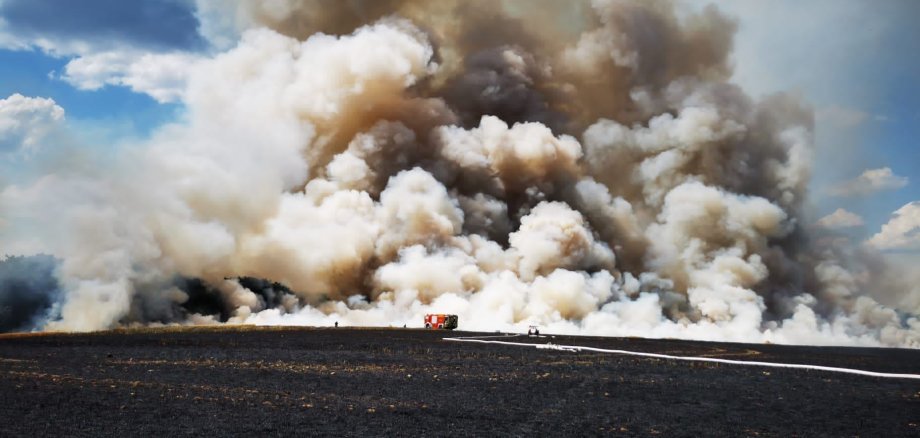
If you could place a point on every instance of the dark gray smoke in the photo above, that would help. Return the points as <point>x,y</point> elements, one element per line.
<point>29,290</point>
<point>502,81</point>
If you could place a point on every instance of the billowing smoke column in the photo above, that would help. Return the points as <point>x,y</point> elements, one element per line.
<point>588,168</point>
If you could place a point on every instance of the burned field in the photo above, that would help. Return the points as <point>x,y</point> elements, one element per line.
<point>273,381</point>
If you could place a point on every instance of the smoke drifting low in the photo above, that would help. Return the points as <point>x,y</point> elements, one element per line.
<point>585,167</point>
<point>28,292</point>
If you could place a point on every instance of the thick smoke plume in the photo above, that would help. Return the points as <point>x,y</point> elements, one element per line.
<point>28,292</point>
<point>586,167</point>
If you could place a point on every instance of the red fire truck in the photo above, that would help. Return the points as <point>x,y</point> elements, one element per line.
<point>440,321</point>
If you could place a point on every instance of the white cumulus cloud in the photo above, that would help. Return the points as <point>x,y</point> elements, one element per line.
<point>841,219</point>
<point>869,182</point>
<point>902,232</point>
<point>162,76</point>
<point>25,121</point>
<point>128,54</point>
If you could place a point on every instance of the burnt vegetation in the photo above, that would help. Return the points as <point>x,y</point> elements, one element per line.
<point>357,382</point>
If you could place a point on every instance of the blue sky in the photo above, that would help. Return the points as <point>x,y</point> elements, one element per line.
<point>42,36</point>
<point>27,73</point>
<point>855,61</point>
<point>161,24</point>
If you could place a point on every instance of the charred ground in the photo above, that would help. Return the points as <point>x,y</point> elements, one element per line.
<point>240,380</point>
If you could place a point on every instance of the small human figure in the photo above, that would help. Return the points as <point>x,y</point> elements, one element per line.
<point>336,323</point>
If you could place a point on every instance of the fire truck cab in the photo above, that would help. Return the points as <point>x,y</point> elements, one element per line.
<point>440,321</point>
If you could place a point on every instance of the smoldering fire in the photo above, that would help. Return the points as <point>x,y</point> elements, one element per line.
<point>589,168</point>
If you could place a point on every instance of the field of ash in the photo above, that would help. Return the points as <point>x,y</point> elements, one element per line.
<point>360,382</point>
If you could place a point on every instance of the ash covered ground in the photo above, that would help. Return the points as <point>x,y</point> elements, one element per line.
<point>285,381</point>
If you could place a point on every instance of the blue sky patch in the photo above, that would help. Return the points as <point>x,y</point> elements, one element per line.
<point>163,24</point>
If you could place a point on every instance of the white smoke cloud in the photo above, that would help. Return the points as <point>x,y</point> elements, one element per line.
<point>554,236</point>
<point>336,166</point>
<point>204,190</point>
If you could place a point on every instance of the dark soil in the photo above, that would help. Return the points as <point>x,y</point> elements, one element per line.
<point>360,382</point>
